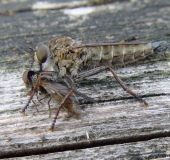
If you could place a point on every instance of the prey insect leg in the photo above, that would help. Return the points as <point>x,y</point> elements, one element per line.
<point>38,101</point>
<point>49,107</point>
<point>30,99</point>
<point>61,105</point>
<point>35,105</point>
<point>33,93</point>
<point>47,102</point>
<point>34,90</point>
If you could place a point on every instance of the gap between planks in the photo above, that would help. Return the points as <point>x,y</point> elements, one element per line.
<point>85,144</point>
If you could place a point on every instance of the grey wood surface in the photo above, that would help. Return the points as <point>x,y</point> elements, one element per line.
<point>116,126</point>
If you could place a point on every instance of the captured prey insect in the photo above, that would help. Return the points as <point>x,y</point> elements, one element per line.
<point>69,57</point>
<point>62,90</point>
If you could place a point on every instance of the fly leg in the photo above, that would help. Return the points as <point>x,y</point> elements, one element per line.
<point>35,89</point>
<point>90,72</point>
<point>102,68</point>
<point>38,101</point>
<point>49,107</point>
<point>61,105</point>
<point>35,104</point>
<point>128,90</point>
<point>47,102</point>
<point>69,82</point>
<point>72,85</point>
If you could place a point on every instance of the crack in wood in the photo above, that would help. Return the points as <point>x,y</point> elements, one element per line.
<point>85,144</point>
<point>128,98</point>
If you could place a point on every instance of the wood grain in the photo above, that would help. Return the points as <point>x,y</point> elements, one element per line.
<point>116,126</point>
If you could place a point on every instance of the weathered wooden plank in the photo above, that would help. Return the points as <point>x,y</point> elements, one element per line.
<point>106,120</point>
<point>153,149</point>
<point>10,7</point>
<point>116,116</point>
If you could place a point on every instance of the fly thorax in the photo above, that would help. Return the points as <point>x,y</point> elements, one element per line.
<point>62,71</point>
<point>69,55</point>
<point>69,63</point>
<point>65,63</point>
<point>84,57</point>
<point>56,60</point>
<point>87,54</point>
<point>78,62</point>
<point>61,53</point>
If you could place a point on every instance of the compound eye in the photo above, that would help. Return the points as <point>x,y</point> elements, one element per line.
<point>25,78</point>
<point>41,53</point>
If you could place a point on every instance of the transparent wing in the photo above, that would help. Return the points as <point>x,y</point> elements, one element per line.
<point>59,89</point>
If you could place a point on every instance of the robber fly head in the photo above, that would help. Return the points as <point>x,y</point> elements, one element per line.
<point>41,53</point>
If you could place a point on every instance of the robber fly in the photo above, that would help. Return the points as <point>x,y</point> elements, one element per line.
<point>62,90</point>
<point>67,56</point>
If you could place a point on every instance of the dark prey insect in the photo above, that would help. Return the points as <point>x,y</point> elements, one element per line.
<point>69,57</point>
<point>63,91</point>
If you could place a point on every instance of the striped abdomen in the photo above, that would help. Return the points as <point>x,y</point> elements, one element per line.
<point>117,54</point>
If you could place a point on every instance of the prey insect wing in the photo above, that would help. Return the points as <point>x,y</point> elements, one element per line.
<point>58,88</point>
<point>53,87</point>
<point>62,93</point>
